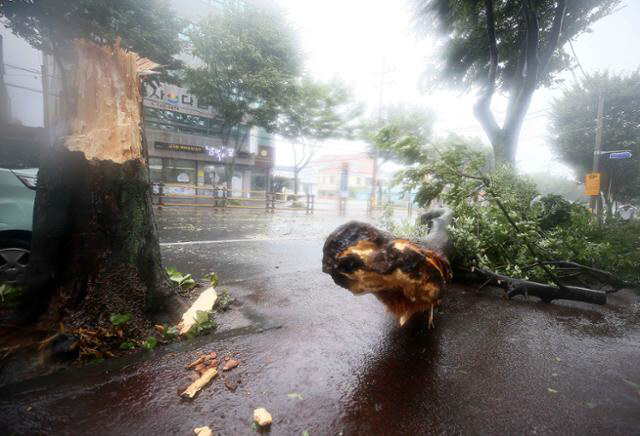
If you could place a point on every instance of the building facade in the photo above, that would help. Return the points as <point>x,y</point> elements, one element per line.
<point>331,177</point>
<point>186,151</point>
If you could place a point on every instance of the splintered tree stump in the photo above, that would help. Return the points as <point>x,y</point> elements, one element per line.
<point>406,276</point>
<point>95,248</point>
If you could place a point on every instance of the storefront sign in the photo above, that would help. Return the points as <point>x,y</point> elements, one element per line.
<point>218,152</point>
<point>165,96</point>
<point>179,147</point>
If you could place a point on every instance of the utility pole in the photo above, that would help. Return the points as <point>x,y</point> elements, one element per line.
<point>596,200</point>
<point>5,103</point>
<point>376,153</point>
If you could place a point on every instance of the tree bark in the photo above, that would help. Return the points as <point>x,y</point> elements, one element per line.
<point>531,67</point>
<point>95,249</point>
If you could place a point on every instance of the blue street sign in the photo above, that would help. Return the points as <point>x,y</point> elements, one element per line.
<point>621,155</point>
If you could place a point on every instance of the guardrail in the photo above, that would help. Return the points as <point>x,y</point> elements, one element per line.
<point>201,196</point>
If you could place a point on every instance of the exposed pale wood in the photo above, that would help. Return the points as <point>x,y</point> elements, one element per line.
<point>107,122</point>
<point>203,431</point>
<point>197,385</point>
<point>262,417</point>
<point>204,302</point>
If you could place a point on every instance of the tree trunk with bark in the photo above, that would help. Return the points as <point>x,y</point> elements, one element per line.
<point>532,67</point>
<point>95,249</point>
<point>296,175</point>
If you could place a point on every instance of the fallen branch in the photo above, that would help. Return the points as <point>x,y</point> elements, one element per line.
<point>605,277</point>
<point>545,292</point>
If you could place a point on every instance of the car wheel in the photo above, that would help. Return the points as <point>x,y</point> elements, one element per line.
<point>14,258</point>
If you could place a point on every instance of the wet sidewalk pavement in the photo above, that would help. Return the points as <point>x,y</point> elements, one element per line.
<point>326,362</point>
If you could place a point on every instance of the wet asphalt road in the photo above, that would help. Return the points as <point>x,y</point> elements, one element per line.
<point>490,366</point>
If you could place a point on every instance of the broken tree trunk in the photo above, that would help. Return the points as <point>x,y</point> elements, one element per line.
<point>95,248</point>
<point>407,276</point>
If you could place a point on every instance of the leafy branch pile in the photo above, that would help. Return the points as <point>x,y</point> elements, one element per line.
<point>501,224</point>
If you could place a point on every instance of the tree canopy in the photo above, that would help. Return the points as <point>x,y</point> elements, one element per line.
<point>573,123</point>
<point>247,63</point>
<point>148,27</point>
<point>402,129</point>
<point>316,112</point>
<point>511,46</point>
<point>249,60</point>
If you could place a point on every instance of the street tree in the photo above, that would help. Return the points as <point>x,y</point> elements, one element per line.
<point>573,123</point>
<point>511,47</point>
<point>94,245</point>
<point>316,112</point>
<point>248,61</point>
<point>396,136</point>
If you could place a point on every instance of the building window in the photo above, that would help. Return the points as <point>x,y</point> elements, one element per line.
<point>358,180</point>
<point>332,180</point>
<point>155,169</point>
<point>179,171</point>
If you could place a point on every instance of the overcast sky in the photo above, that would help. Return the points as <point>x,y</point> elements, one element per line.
<point>351,38</point>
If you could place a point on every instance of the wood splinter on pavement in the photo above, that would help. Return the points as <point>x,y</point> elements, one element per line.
<point>204,302</point>
<point>197,385</point>
<point>262,417</point>
<point>203,431</point>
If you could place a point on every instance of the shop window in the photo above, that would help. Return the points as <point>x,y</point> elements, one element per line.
<point>179,171</point>
<point>258,181</point>
<point>213,175</point>
<point>155,169</point>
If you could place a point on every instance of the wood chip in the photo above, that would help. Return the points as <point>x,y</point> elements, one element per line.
<point>230,364</point>
<point>232,381</point>
<point>205,303</point>
<point>197,385</point>
<point>203,431</point>
<point>196,362</point>
<point>262,417</point>
<point>201,367</point>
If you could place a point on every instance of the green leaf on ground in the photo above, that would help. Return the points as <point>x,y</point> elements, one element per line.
<point>120,318</point>
<point>150,343</point>
<point>126,345</point>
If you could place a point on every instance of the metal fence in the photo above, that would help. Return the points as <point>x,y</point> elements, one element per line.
<point>222,198</point>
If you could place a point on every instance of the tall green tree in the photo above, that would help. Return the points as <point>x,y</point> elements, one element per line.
<point>248,63</point>
<point>573,124</point>
<point>316,112</point>
<point>94,245</point>
<point>506,46</point>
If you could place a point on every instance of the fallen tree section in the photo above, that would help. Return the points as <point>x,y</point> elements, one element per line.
<point>407,276</point>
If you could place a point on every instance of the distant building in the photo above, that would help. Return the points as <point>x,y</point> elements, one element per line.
<point>283,177</point>
<point>359,168</point>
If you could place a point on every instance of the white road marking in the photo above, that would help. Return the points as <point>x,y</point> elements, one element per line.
<point>226,241</point>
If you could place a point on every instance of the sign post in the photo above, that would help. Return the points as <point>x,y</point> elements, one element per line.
<point>592,184</point>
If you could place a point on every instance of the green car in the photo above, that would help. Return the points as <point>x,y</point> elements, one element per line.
<point>17,195</point>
